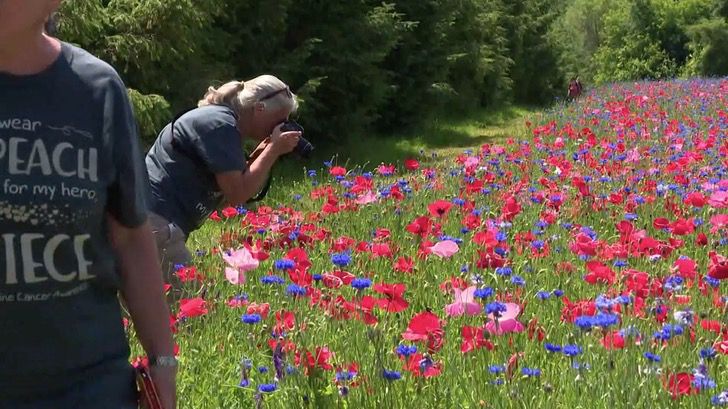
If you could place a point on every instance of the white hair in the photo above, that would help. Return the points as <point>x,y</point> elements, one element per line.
<point>240,95</point>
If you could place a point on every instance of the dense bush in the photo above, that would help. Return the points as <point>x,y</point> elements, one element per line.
<point>362,65</point>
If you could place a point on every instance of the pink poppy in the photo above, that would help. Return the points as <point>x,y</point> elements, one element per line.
<point>445,248</point>
<point>464,303</point>
<point>507,322</point>
<point>239,262</point>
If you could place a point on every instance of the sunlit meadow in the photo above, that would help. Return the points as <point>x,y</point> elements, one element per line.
<point>576,263</point>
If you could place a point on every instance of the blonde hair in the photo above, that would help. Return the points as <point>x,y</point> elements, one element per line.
<point>240,95</point>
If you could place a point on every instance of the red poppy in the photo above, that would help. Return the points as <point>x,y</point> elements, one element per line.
<point>192,307</point>
<point>473,339</point>
<point>285,321</point>
<point>394,301</point>
<point>613,340</point>
<point>598,273</point>
<point>718,266</point>
<point>425,326</point>
<point>411,164</point>
<point>679,384</point>
<point>255,308</point>
<point>404,265</point>
<point>439,208</point>
<point>337,171</point>
<point>229,212</point>
<point>421,226</point>
<point>510,208</point>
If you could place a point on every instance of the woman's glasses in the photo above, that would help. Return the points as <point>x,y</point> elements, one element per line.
<point>274,93</point>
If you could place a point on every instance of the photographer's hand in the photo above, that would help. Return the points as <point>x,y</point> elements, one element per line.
<point>282,143</point>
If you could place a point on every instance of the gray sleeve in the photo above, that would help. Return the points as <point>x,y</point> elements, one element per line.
<point>221,150</point>
<point>129,191</point>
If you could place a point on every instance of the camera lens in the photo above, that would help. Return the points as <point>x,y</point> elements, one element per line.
<point>303,148</point>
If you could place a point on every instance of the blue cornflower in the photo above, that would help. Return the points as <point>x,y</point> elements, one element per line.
<point>624,299</point>
<point>571,350</point>
<point>263,369</point>
<point>495,308</point>
<point>604,302</point>
<point>496,369</point>
<point>251,318</point>
<point>406,350</point>
<point>518,280</point>
<point>531,372</point>
<point>673,283</point>
<point>483,292</point>
<point>343,376</point>
<point>284,264</point>
<point>241,210</point>
<point>713,282</point>
<point>630,216</point>
<point>703,382</point>
<point>341,259</point>
<point>620,263</point>
<point>543,295</point>
<point>558,293</point>
<point>426,363</point>
<point>501,236</point>
<point>552,348</point>
<point>537,244</point>
<point>720,399</point>
<point>317,277</point>
<point>503,271</point>
<point>295,290</point>
<point>311,173</point>
<point>458,201</point>
<point>271,279</point>
<point>361,283</point>
<point>391,375</point>
<point>652,357</point>
<point>502,252</point>
<point>247,363</point>
<point>708,353</point>
<point>605,320</point>
<point>267,387</point>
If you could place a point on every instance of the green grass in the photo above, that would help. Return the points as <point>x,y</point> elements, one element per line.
<point>441,134</point>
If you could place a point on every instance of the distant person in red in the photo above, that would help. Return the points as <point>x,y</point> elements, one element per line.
<point>575,88</point>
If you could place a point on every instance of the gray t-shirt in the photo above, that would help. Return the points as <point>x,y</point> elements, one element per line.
<point>69,155</point>
<point>182,171</point>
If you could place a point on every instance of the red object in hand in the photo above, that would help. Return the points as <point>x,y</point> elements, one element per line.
<point>148,396</point>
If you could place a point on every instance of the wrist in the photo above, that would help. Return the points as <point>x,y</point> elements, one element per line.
<point>272,150</point>
<point>163,361</point>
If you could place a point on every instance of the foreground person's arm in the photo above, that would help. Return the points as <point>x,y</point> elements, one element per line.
<point>142,290</point>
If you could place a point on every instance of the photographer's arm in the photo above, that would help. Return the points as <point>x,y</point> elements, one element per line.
<point>239,187</point>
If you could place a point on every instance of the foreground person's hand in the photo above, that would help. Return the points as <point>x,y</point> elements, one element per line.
<point>164,378</point>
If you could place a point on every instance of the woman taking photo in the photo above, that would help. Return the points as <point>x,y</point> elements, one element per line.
<point>73,228</point>
<point>197,162</point>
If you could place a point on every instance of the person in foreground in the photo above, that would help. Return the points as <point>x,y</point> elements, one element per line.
<point>198,161</point>
<point>73,228</point>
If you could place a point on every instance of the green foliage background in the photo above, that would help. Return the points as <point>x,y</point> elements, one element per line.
<point>366,66</point>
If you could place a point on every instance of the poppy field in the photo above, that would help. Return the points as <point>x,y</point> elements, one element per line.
<point>576,265</point>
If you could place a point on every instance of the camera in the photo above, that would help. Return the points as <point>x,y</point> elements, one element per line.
<point>304,147</point>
